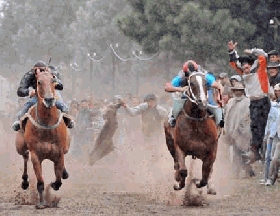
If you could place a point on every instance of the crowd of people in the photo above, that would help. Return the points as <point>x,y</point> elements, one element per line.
<point>246,105</point>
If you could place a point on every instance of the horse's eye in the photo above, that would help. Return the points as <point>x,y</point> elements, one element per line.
<point>39,83</point>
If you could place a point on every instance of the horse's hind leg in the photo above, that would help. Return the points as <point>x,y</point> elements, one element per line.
<point>37,166</point>
<point>210,186</point>
<point>21,148</point>
<point>59,169</point>
<point>25,183</point>
<point>206,171</point>
<point>170,145</point>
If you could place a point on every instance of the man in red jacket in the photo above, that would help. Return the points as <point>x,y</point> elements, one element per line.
<point>253,69</point>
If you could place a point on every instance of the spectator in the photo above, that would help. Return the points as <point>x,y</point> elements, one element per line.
<point>253,69</point>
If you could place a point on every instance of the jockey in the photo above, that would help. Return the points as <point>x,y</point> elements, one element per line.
<point>179,84</point>
<point>29,80</point>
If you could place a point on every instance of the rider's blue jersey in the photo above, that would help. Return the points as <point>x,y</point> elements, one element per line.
<point>178,81</point>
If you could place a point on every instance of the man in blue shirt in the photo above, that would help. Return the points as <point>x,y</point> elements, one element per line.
<point>179,83</point>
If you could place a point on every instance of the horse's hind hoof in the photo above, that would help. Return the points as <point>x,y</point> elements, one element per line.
<point>24,185</point>
<point>40,206</point>
<point>65,174</point>
<point>211,191</point>
<point>56,185</point>
<point>177,188</point>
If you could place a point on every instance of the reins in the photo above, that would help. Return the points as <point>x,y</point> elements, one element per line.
<point>39,124</point>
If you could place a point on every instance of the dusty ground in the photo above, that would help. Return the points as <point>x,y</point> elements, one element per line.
<point>129,182</point>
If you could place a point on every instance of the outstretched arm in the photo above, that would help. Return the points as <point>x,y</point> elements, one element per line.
<point>170,88</point>
<point>133,111</point>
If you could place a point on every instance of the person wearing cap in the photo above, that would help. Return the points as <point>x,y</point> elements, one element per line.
<point>273,72</point>
<point>223,78</point>
<point>253,69</point>
<point>273,56</point>
<point>179,84</point>
<point>273,138</point>
<point>237,130</point>
<point>152,115</point>
<point>234,79</point>
<point>27,87</point>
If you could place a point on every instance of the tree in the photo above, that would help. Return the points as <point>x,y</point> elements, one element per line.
<point>184,28</point>
<point>255,13</point>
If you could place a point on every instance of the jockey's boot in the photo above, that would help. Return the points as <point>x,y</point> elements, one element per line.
<point>16,125</point>
<point>71,124</point>
<point>253,155</point>
<point>172,121</point>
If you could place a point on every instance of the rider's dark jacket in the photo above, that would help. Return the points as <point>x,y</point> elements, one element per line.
<point>29,80</point>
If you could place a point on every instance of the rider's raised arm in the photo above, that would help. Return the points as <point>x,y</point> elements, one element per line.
<point>137,110</point>
<point>26,82</point>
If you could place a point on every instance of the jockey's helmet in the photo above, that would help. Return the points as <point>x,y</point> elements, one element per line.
<point>39,64</point>
<point>190,66</point>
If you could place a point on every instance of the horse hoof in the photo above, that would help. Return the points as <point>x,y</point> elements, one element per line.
<point>200,184</point>
<point>24,185</point>
<point>177,188</point>
<point>40,206</point>
<point>211,191</point>
<point>56,185</point>
<point>65,174</point>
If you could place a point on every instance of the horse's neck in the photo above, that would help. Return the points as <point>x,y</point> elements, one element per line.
<point>46,115</point>
<point>193,110</point>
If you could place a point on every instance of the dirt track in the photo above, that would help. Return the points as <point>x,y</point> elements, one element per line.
<point>129,182</point>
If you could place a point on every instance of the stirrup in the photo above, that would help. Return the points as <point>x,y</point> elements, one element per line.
<point>16,126</point>
<point>172,122</point>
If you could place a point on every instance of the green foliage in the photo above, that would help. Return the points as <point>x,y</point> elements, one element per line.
<point>256,13</point>
<point>183,27</point>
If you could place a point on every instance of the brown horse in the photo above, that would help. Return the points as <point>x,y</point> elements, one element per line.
<point>195,134</point>
<point>45,135</point>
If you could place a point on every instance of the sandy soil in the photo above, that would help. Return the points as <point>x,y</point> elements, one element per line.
<point>130,181</point>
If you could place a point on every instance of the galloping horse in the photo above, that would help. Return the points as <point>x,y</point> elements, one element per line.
<point>45,135</point>
<point>195,134</point>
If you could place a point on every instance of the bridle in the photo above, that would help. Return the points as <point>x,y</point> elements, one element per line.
<point>190,95</point>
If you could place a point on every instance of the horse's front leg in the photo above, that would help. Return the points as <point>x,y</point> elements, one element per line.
<point>182,172</point>
<point>37,166</point>
<point>59,171</point>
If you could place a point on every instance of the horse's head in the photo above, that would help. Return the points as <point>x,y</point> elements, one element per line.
<point>46,88</point>
<point>197,89</point>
